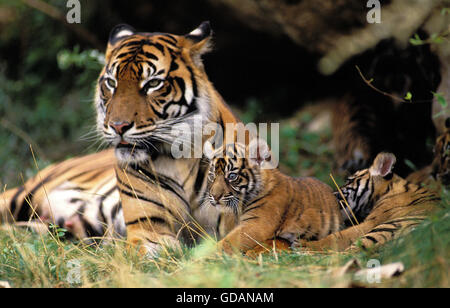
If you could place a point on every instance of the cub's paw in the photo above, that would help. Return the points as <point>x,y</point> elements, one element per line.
<point>304,245</point>
<point>269,246</point>
<point>312,246</point>
<point>224,247</point>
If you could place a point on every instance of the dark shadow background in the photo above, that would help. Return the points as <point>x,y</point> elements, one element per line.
<point>52,105</point>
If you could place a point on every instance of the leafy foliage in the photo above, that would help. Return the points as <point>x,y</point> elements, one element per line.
<point>45,94</point>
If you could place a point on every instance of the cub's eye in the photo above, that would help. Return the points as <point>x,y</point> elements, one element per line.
<point>232,176</point>
<point>110,82</point>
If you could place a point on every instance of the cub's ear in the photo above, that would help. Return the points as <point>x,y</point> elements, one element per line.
<point>119,32</point>
<point>199,40</point>
<point>383,164</point>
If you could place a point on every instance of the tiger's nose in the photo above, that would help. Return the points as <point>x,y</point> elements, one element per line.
<point>120,127</point>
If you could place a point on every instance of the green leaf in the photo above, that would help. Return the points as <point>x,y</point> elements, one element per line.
<point>410,164</point>
<point>440,99</point>
<point>437,39</point>
<point>408,96</point>
<point>416,40</point>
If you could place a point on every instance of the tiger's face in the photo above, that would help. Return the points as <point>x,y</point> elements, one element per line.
<point>232,183</point>
<point>442,155</point>
<point>150,82</point>
<point>365,186</point>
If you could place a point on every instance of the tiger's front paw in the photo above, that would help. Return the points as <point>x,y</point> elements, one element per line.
<point>150,249</point>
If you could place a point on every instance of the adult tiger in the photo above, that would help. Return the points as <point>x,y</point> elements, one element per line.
<point>151,84</point>
<point>79,194</point>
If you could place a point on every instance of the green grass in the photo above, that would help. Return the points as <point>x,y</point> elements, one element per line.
<point>30,260</point>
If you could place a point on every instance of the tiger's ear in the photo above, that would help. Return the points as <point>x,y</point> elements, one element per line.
<point>119,32</point>
<point>199,40</point>
<point>383,164</point>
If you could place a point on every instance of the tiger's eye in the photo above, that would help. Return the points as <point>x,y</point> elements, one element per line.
<point>111,83</point>
<point>154,83</point>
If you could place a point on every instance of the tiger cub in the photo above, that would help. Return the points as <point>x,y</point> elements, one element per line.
<point>384,204</point>
<point>268,204</point>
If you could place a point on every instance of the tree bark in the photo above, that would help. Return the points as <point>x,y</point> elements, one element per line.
<point>335,29</point>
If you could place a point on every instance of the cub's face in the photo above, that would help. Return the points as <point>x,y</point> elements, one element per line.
<point>150,82</point>
<point>232,183</point>
<point>365,185</point>
<point>357,189</point>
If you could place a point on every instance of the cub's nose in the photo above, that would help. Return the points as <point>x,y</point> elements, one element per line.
<point>120,127</point>
<point>216,197</point>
